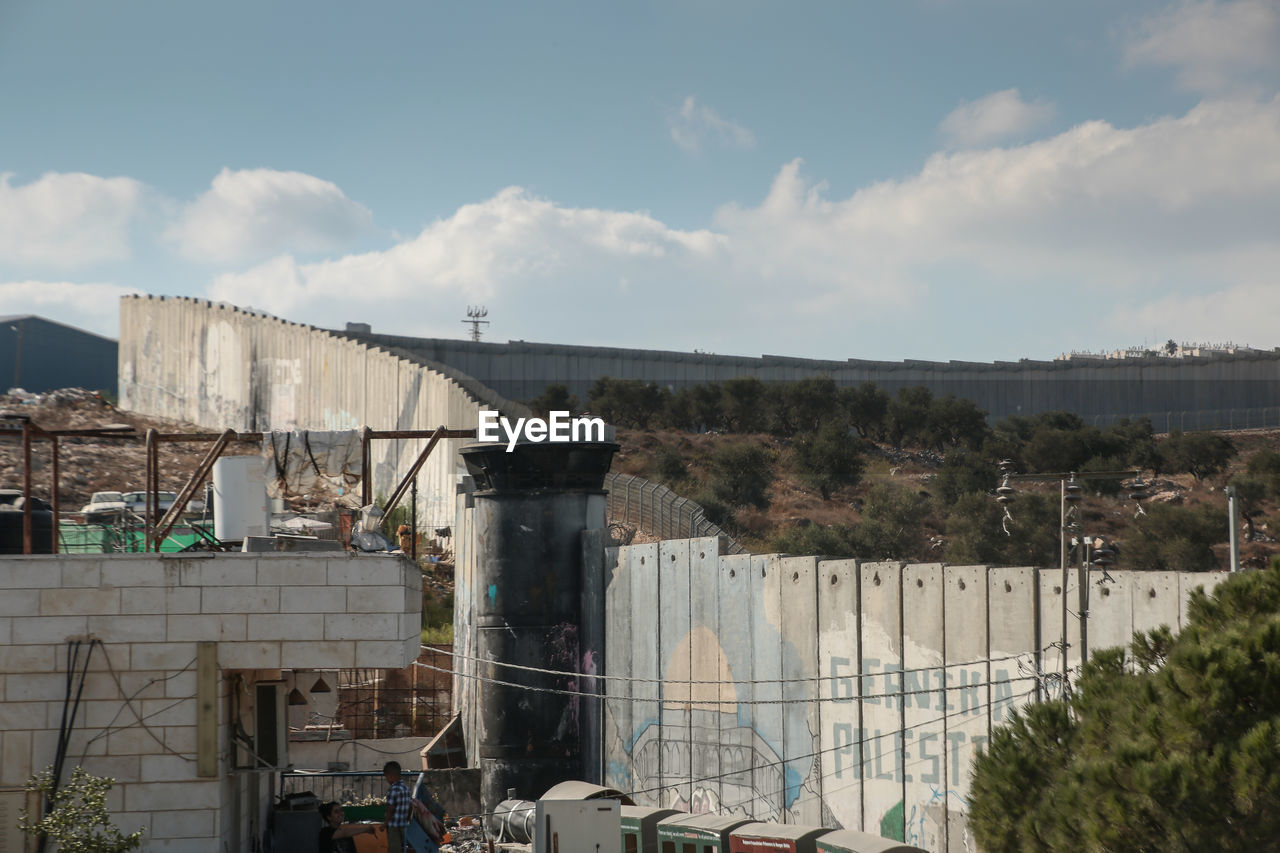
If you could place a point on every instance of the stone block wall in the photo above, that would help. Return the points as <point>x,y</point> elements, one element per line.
<point>136,719</point>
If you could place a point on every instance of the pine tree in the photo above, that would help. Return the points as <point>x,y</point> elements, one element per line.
<point>1171,746</point>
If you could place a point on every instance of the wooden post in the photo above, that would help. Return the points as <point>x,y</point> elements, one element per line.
<point>207,709</point>
<point>57,533</point>
<point>26,487</point>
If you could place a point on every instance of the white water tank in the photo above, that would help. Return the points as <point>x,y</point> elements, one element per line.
<point>240,506</point>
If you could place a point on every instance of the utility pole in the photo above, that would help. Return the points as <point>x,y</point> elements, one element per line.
<point>1070,495</point>
<point>1233,527</point>
<point>20,328</point>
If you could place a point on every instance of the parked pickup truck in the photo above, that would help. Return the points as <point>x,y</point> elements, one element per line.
<point>103,506</point>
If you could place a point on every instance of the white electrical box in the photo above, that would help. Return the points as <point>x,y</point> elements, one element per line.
<point>578,826</point>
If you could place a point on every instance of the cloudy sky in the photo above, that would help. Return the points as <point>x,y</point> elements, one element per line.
<point>993,179</point>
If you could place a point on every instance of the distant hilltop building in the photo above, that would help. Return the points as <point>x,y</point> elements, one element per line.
<point>1169,350</point>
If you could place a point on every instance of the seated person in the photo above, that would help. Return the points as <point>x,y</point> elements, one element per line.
<point>335,836</point>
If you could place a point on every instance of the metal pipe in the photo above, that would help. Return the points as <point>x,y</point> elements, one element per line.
<point>1084,601</point>
<point>150,487</point>
<point>1062,485</point>
<point>366,464</point>
<point>421,433</point>
<point>403,485</point>
<point>26,487</point>
<point>57,531</point>
<point>189,488</point>
<point>17,358</point>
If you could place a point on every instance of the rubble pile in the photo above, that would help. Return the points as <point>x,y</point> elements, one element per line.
<point>465,839</point>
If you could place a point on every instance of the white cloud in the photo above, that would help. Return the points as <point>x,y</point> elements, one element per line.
<point>511,245</point>
<point>995,117</point>
<point>92,306</point>
<point>695,125</point>
<point>253,214</point>
<point>1212,46</point>
<point>1101,220</point>
<point>65,220</point>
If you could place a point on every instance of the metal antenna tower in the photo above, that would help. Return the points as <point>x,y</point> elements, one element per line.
<point>475,318</point>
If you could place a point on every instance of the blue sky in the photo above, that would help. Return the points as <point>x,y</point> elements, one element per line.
<point>916,179</point>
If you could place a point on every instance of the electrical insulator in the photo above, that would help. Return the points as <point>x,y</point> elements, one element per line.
<point>1072,493</point>
<point>1138,490</point>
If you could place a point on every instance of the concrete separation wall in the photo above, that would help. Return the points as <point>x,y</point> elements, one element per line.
<point>838,692</point>
<point>218,366</point>
<point>1237,391</point>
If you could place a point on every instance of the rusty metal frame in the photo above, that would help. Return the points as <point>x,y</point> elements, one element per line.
<point>154,534</point>
<point>31,432</point>
<point>403,486</point>
<point>194,482</point>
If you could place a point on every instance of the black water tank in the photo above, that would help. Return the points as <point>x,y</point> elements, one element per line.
<point>11,531</point>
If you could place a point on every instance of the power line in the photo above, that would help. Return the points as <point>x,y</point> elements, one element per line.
<point>139,719</point>
<point>709,701</point>
<point>806,680</point>
<point>859,743</point>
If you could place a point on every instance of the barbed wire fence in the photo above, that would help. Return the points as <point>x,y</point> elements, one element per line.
<point>1267,417</point>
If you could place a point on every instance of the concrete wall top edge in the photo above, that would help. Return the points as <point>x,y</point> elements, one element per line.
<point>514,347</point>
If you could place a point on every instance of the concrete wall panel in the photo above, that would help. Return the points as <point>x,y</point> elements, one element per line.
<point>1111,610</point>
<point>799,655</point>
<point>840,663</point>
<point>618,722</point>
<point>709,668</point>
<point>675,651</point>
<point>1156,600</point>
<point>1187,583</point>
<point>737,753</point>
<point>643,740</point>
<point>924,700</point>
<point>882,712</point>
<point>769,775</point>
<point>1013,596</point>
<point>1051,635</point>
<point>965,600</point>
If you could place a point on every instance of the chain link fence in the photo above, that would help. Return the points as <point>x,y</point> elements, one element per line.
<point>1267,417</point>
<point>657,510</point>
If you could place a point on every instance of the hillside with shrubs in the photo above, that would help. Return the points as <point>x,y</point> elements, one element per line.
<point>808,467</point>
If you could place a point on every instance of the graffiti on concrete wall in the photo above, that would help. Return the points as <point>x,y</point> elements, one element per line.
<point>839,693</point>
